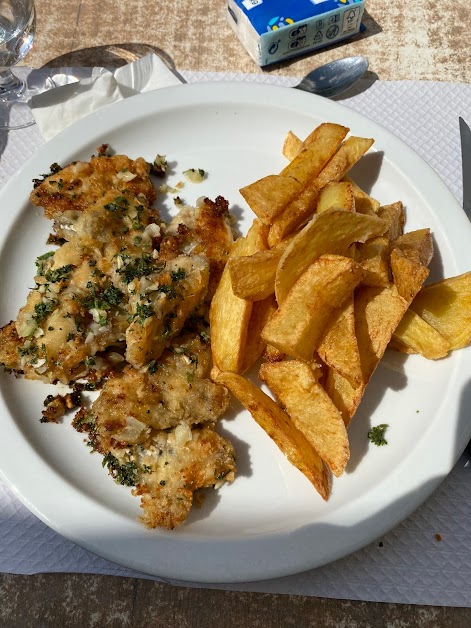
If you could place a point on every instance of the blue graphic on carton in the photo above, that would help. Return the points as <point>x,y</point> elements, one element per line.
<point>277,22</point>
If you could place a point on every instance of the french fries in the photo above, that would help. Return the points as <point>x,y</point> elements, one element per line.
<point>330,232</point>
<point>229,315</point>
<point>296,327</point>
<point>276,423</point>
<point>325,281</point>
<point>311,410</point>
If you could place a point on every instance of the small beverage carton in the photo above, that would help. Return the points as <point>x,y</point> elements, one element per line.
<point>275,30</point>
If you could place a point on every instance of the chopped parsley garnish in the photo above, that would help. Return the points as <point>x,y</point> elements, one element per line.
<point>178,275</point>
<point>41,310</point>
<point>152,368</point>
<point>143,311</point>
<point>168,290</point>
<point>58,274</point>
<point>40,262</point>
<point>376,434</point>
<point>122,473</point>
<point>119,203</point>
<point>136,268</point>
<point>102,298</point>
<point>31,350</point>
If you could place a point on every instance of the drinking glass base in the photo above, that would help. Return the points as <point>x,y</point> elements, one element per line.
<point>15,111</point>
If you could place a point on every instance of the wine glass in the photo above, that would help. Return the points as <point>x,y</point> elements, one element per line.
<point>17,28</point>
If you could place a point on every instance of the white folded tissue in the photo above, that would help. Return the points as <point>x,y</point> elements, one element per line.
<point>57,108</point>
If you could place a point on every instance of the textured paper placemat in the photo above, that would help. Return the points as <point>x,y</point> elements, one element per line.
<point>407,565</point>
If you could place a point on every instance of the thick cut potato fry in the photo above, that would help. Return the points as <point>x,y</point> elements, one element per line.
<point>420,337</point>
<point>378,312</point>
<point>344,159</point>
<point>315,152</point>
<point>296,327</point>
<point>229,315</point>
<point>446,305</point>
<point>253,277</point>
<point>295,215</point>
<point>272,354</point>
<point>336,196</point>
<point>408,275</point>
<point>364,203</point>
<point>302,207</point>
<point>295,386</point>
<point>256,238</point>
<point>345,398</point>
<point>395,217</point>
<point>331,232</point>
<point>417,246</point>
<point>277,424</point>
<point>338,347</point>
<point>268,197</point>
<point>259,317</point>
<point>291,146</point>
<point>374,259</point>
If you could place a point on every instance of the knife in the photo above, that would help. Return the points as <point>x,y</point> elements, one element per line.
<point>465,134</point>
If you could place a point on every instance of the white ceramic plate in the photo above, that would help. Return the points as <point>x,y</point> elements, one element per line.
<point>270,522</point>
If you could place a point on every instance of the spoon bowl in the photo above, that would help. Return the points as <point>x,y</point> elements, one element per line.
<point>334,78</point>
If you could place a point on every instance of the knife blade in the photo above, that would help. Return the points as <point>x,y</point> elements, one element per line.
<point>465,134</point>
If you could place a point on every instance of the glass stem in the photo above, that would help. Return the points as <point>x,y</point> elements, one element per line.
<point>10,85</point>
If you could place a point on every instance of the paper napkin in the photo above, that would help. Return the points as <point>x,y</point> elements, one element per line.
<point>57,108</point>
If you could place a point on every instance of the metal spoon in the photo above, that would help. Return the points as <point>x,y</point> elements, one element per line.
<point>335,77</point>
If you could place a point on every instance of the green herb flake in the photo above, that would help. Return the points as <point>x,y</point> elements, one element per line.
<point>143,311</point>
<point>58,274</point>
<point>121,473</point>
<point>178,275</point>
<point>376,434</point>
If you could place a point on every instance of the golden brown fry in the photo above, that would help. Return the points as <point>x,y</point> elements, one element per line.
<point>291,146</point>
<point>302,207</point>
<point>408,275</point>
<point>419,337</point>
<point>253,277</point>
<point>378,312</point>
<point>446,305</point>
<point>338,347</point>
<point>417,246</point>
<point>296,327</point>
<point>336,196</point>
<point>344,159</point>
<point>295,386</point>
<point>255,345</point>
<point>268,197</point>
<point>280,428</point>
<point>272,354</point>
<point>229,315</point>
<point>395,218</point>
<point>296,214</point>
<point>374,259</point>
<point>315,152</point>
<point>331,232</point>
<point>364,203</point>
